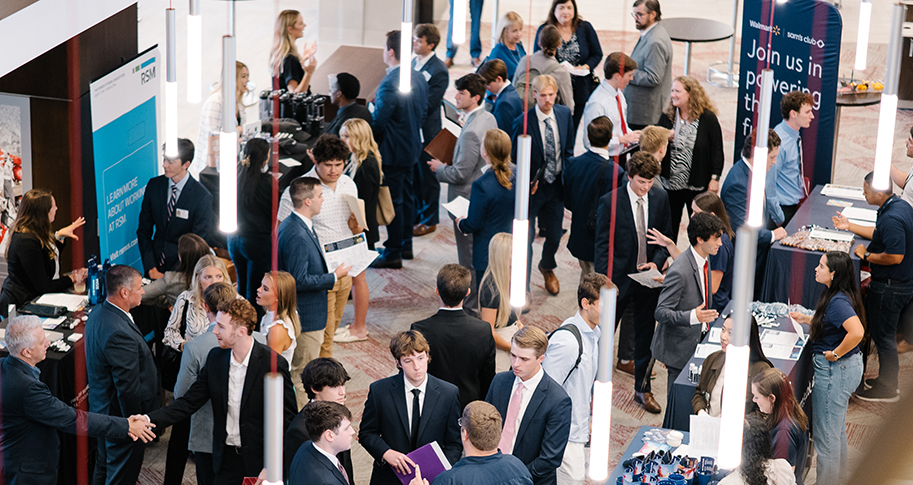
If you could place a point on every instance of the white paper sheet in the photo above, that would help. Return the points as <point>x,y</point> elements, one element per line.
<point>860,214</point>
<point>350,251</point>
<point>459,207</point>
<point>843,192</point>
<point>704,436</point>
<point>797,328</point>
<point>715,335</point>
<point>779,337</point>
<point>703,350</point>
<point>645,278</point>
<point>72,302</point>
<point>782,352</point>
<point>357,206</point>
<point>289,162</point>
<point>831,235</point>
<point>575,71</point>
<point>52,323</point>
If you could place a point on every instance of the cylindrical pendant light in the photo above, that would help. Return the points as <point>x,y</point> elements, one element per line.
<point>888,115</point>
<point>194,52</point>
<point>228,142</point>
<point>759,158</point>
<point>520,239</point>
<point>405,49</point>
<point>862,34</point>
<point>602,388</point>
<point>171,88</point>
<point>273,432</point>
<point>458,33</point>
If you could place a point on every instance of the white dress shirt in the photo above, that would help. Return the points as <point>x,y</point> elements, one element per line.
<point>421,398</point>
<point>550,119</point>
<point>603,102</point>
<point>237,372</point>
<point>633,197</point>
<point>602,152</point>
<point>700,269</point>
<point>531,384</point>
<point>327,454</point>
<point>644,32</point>
<point>420,61</point>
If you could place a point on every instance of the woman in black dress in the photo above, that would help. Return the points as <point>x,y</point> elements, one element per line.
<point>255,204</point>
<point>293,69</point>
<point>33,254</point>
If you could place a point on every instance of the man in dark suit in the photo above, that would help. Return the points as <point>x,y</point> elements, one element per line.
<point>551,128</point>
<point>233,380</point>
<point>344,88</point>
<point>506,103</point>
<point>174,204</point>
<point>639,207</point>
<point>463,347</point>
<point>122,377</point>
<point>735,198</point>
<point>536,433</point>
<point>32,416</point>
<point>586,179</point>
<point>683,312</point>
<point>330,429</point>
<point>398,120</point>
<point>409,410</point>
<point>300,254</point>
<point>425,39</point>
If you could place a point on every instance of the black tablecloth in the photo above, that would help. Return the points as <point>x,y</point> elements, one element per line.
<point>790,273</point>
<point>798,371</point>
<point>635,445</point>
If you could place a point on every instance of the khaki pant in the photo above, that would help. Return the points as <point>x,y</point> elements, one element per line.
<point>336,305</point>
<point>307,350</point>
<point>573,466</point>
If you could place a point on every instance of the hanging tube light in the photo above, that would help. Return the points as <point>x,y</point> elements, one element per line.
<point>228,143</point>
<point>273,433</point>
<point>888,115</point>
<point>194,52</point>
<point>862,33</point>
<point>458,34</point>
<point>602,388</point>
<point>405,49</point>
<point>759,157</point>
<point>171,88</point>
<point>520,239</point>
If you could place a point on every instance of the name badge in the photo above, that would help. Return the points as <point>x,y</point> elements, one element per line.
<point>182,213</point>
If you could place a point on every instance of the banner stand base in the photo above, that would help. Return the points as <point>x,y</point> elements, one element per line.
<point>720,78</point>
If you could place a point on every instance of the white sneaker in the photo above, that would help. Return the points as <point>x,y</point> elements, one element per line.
<point>341,330</point>
<point>348,337</point>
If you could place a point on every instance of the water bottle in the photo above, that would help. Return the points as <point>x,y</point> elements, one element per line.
<point>93,284</point>
<point>102,277</point>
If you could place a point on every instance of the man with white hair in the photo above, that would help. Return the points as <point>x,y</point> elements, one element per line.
<point>31,415</point>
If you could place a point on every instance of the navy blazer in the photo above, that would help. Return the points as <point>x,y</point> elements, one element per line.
<point>398,119</point>
<point>438,78</point>
<point>582,177</point>
<point>212,386</point>
<point>385,423</point>
<point>545,426</point>
<point>491,210</point>
<point>659,216</point>
<point>299,254</point>
<point>154,235</point>
<point>508,106</point>
<point>32,416</point>
<point>123,379</point>
<point>310,467</point>
<point>734,194</point>
<point>566,136</point>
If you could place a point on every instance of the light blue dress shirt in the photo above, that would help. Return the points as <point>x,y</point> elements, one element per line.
<point>789,190</point>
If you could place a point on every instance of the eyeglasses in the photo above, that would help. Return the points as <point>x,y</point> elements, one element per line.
<point>637,15</point>
<point>460,422</point>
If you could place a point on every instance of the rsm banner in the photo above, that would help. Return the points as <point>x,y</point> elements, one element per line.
<point>804,55</point>
<point>126,152</point>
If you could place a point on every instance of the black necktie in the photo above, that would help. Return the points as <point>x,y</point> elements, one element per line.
<point>415,417</point>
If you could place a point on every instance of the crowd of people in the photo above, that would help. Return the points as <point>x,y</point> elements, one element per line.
<point>506,402</point>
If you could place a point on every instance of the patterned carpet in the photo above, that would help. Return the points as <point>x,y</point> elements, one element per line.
<point>400,297</point>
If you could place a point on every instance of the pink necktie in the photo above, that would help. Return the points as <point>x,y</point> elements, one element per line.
<point>513,410</point>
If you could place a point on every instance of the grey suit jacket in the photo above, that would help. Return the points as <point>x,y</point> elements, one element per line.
<point>676,339</point>
<point>467,156</point>
<point>649,91</point>
<point>193,358</point>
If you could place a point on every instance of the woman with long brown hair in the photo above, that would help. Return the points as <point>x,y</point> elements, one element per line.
<point>786,421</point>
<point>280,325</point>
<point>164,291</point>
<point>294,69</point>
<point>33,254</point>
<point>694,160</point>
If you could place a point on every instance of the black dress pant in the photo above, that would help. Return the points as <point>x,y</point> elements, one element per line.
<point>643,300</point>
<point>547,204</point>
<point>176,459</point>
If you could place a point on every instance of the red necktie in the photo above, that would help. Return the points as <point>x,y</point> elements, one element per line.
<point>621,114</point>
<point>707,292</point>
<point>343,471</point>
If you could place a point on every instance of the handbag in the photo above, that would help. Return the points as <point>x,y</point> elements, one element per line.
<point>171,359</point>
<point>385,212</point>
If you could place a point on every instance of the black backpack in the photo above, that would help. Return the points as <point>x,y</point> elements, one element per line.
<point>570,327</point>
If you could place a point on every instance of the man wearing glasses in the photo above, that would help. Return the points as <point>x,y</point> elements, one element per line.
<point>650,89</point>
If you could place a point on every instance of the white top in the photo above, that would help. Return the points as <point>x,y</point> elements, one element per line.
<point>421,397</point>
<point>700,269</point>
<point>907,194</point>
<point>210,125</point>
<point>268,322</point>
<point>550,119</point>
<point>236,374</point>
<point>603,102</point>
<point>197,321</point>
<point>418,62</point>
<point>329,456</point>
<point>531,384</point>
<point>332,223</point>
<point>779,472</point>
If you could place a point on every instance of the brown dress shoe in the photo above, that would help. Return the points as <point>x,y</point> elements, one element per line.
<point>448,62</point>
<point>476,62</point>
<point>625,368</point>
<point>551,281</point>
<point>646,399</point>
<point>903,347</point>
<point>421,230</point>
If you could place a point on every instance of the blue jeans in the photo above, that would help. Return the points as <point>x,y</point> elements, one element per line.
<point>475,43</point>
<point>252,257</point>
<point>883,303</point>
<point>834,384</point>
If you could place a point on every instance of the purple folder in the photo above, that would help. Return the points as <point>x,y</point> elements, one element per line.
<point>430,459</point>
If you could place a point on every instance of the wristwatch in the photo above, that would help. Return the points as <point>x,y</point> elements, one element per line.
<point>715,177</point>
<point>865,256</point>
<point>836,357</point>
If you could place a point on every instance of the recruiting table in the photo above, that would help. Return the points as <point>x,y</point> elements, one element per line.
<point>635,445</point>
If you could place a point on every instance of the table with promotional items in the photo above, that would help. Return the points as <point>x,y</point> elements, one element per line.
<point>799,373</point>
<point>636,444</point>
<point>790,272</point>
